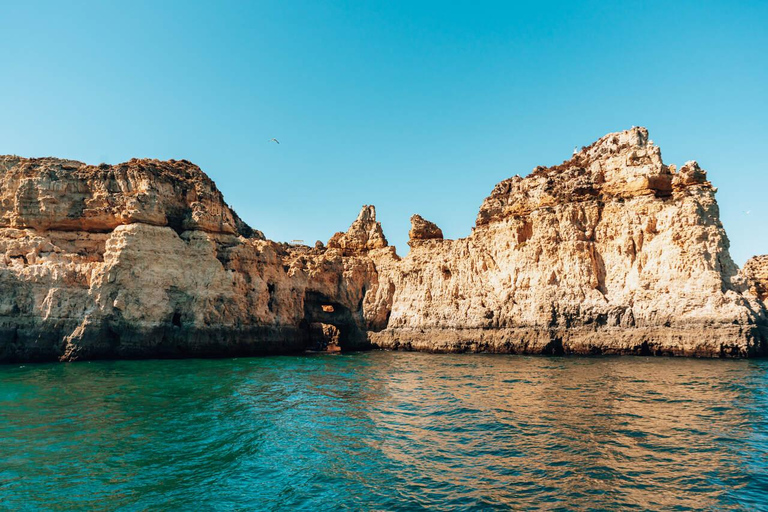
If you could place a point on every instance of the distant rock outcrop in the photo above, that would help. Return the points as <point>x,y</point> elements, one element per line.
<point>364,234</point>
<point>756,272</point>
<point>422,229</point>
<point>611,252</point>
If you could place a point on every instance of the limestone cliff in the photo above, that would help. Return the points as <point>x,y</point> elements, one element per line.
<point>63,195</point>
<point>611,252</point>
<point>145,259</point>
<point>756,274</point>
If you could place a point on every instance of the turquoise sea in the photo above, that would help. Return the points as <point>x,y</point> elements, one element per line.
<point>385,431</point>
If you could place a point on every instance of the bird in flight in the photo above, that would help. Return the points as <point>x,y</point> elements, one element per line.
<point>274,140</point>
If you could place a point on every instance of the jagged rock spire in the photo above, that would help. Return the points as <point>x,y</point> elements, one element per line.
<point>617,166</point>
<point>364,234</point>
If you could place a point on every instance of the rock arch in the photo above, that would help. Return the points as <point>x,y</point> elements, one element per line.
<point>328,325</point>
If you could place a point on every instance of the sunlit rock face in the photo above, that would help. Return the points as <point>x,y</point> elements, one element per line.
<point>422,229</point>
<point>610,252</point>
<point>364,234</point>
<point>756,274</point>
<point>65,195</point>
<point>145,259</point>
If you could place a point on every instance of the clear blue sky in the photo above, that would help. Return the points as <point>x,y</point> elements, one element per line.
<point>416,107</point>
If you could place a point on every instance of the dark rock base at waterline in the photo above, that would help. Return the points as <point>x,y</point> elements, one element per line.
<point>58,343</point>
<point>722,341</point>
<point>121,342</point>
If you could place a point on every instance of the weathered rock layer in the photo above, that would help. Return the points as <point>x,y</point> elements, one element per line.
<point>611,252</point>
<point>756,273</point>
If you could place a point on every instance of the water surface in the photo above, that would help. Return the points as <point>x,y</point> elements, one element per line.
<point>385,431</point>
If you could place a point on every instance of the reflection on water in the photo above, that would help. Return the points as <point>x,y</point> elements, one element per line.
<point>385,431</point>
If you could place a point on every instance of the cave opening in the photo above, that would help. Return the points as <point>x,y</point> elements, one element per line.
<point>327,326</point>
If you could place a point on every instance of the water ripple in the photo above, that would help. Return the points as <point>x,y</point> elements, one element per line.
<point>386,431</point>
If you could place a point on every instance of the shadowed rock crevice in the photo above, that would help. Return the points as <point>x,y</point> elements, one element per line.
<point>329,325</point>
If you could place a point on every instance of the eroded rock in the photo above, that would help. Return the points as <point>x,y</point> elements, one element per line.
<point>363,235</point>
<point>610,252</point>
<point>756,272</point>
<point>422,229</point>
<point>54,194</point>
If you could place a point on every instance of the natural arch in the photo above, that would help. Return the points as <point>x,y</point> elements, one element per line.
<point>328,325</point>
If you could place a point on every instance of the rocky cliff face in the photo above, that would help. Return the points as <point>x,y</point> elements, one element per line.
<point>145,259</point>
<point>755,273</point>
<point>48,194</point>
<point>610,252</point>
<point>422,229</point>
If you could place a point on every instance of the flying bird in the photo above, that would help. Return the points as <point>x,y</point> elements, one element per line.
<point>748,212</point>
<point>274,140</point>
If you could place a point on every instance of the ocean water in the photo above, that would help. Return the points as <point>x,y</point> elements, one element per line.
<point>385,431</point>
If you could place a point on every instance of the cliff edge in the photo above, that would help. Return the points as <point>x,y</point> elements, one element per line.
<point>611,252</point>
